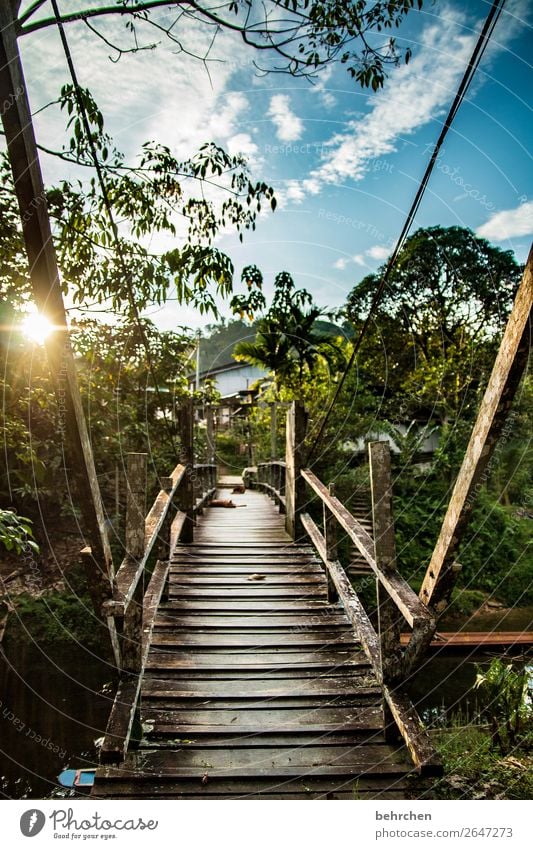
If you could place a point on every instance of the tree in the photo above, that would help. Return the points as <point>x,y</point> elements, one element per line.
<point>286,342</point>
<point>153,195</point>
<point>448,295</point>
<point>298,37</point>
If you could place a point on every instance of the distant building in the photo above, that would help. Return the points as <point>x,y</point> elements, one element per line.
<point>233,381</point>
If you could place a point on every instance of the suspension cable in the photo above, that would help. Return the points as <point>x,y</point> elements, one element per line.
<point>473,64</point>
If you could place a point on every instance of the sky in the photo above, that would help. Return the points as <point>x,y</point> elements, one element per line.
<point>345,162</point>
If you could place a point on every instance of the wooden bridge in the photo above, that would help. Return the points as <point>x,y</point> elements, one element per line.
<point>250,668</point>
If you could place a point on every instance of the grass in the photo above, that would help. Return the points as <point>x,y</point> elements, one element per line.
<point>474,770</point>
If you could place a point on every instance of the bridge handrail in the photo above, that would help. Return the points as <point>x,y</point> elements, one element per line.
<point>406,600</point>
<point>271,477</point>
<point>136,607</point>
<point>131,569</point>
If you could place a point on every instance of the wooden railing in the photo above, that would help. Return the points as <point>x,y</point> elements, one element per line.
<point>136,592</point>
<point>396,601</point>
<point>271,479</point>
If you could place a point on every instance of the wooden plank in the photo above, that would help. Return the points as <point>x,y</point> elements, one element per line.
<point>413,610</point>
<point>367,697</point>
<point>328,760</point>
<point>241,689</point>
<point>235,592</point>
<point>253,639</point>
<point>413,732</point>
<point>444,639</point>
<point>294,456</point>
<point>131,637</point>
<point>180,579</point>
<point>319,659</point>
<point>385,555</point>
<point>304,787</point>
<point>166,736</point>
<point>509,366</point>
<point>238,623</point>
<point>186,490</point>
<point>274,720</point>
<point>284,606</point>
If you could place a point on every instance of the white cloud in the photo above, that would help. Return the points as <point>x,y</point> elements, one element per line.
<point>359,259</point>
<point>148,95</point>
<point>508,223</point>
<point>242,143</point>
<point>294,191</point>
<point>378,252</point>
<point>340,263</point>
<point>414,95</point>
<point>288,126</point>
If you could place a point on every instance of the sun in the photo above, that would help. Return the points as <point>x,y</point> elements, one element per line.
<point>37,327</point>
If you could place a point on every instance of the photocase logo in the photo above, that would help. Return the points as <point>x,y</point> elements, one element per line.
<point>32,822</point>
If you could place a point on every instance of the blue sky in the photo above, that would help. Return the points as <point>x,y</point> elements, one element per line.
<point>344,161</point>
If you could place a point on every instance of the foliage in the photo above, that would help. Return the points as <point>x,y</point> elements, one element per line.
<point>473,770</point>
<point>100,263</point>
<point>504,688</point>
<point>16,533</point>
<point>286,341</point>
<point>216,346</point>
<point>495,552</point>
<point>298,37</point>
<point>53,619</point>
<point>447,296</point>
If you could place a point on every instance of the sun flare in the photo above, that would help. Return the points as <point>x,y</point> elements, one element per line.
<point>37,327</point>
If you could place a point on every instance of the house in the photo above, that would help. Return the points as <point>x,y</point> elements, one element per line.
<point>233,381</point>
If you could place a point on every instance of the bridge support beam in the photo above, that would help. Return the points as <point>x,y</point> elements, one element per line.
<point>294,459</point>
<point>132,632</point>
<point>507,372</point>
<point>46,287</point>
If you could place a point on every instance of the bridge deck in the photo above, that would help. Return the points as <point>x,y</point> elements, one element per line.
<point>255,685</point>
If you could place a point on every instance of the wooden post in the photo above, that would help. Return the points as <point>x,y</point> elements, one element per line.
<point>135,544</point>
<point>508,369</point>
<point>186,489</point>
<point>46,287</point>
<point>273,430</point>
<point>385,556</point>
<point>331,537</point>
<point>210,421</point>
<point>164,547</point>
<point>294,458</point>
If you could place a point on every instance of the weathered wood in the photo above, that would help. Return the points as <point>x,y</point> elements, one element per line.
<point>135,504</point>
<point>46,288</point>
<point>385,554</point>
<point>330,537</point>
<point>349,598</point>
<point>407,602</point>
<point>186,490</point>
<point>294,456</point>
<point>122,715</point>
<point>210,434</point>
<point>255,689</point>
<point>413,732</point>
<point>131,642</point>
<point>131,569</point>
<point>494,411</point>
<point>164,545</point>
